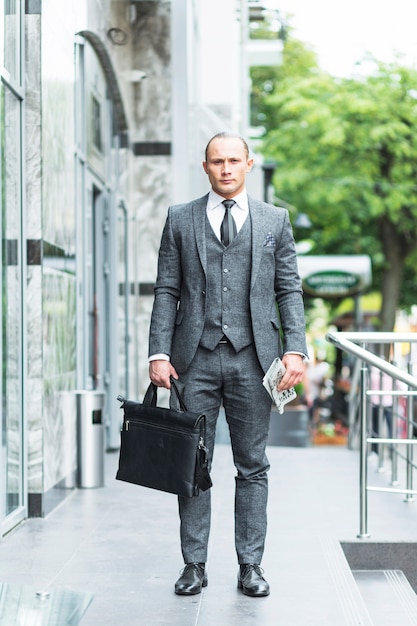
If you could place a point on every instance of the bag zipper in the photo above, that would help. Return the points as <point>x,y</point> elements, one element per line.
<point>173,430</point>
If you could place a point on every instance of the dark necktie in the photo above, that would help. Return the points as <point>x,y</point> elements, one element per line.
<point>228,229</point>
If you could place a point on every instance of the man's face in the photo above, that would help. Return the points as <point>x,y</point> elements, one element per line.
<point>227,165</point>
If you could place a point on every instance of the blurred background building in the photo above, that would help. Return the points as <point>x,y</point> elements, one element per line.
<point>105,109</point>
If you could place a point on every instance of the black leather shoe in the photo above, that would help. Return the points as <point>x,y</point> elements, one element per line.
<point>193,578</point>
<point>251,581</point>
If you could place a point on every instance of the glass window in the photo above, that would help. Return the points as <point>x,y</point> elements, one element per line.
<point>96,123</point>
<point>10,38</point>
<point>10,208</point>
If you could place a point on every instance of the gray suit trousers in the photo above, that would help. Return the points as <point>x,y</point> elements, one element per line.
<point>234,379</point>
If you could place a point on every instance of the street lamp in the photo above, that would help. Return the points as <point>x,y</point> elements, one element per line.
<point>302,221</point>
<point>269,169</point>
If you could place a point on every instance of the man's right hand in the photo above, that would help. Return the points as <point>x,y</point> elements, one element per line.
<point>160,372</point>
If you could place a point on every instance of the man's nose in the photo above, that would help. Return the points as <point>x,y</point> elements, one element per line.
<point>226,166</point>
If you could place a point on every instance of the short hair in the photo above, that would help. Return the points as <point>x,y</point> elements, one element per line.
<point>225,135</point>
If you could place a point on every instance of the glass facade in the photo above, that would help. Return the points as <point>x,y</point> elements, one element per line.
<point>10,51</point>
<point>63,249</point>
<point>12,466</point>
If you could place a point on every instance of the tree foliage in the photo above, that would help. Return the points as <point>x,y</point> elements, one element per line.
<point>346,155</point>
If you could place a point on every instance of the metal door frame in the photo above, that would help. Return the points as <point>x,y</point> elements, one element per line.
<point>91,180</point>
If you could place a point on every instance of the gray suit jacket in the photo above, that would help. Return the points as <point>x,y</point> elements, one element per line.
<point>180,291</point>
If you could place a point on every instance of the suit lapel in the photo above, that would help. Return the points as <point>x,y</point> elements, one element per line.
<point>257,220</point>
<point>199,222</point>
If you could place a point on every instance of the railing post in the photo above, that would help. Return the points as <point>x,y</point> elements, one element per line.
<point>380,447</point>
<point>410,449</point>
<point>363,463</point>
<point>396,435</point>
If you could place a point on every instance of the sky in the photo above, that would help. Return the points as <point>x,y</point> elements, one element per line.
<point>342,32</point>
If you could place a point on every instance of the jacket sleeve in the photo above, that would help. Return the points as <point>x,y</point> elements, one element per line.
<point>289,293</point>
<point>167,292</point>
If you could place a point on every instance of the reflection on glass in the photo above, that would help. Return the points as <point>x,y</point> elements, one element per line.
<point>123,300</point>
<point>11,299</point>
<point>96,123</point>
<point>10,37</point>
<point>27,606</point>
<point>1,33</point>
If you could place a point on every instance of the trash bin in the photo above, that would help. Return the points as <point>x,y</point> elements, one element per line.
<point>90,438</point>
<point>291,428</point>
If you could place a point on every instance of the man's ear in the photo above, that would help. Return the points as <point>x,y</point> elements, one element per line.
<point>249,165</point>
<point>205,166</point>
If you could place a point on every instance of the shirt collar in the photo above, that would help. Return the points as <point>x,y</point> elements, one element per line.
<point>241,199</point>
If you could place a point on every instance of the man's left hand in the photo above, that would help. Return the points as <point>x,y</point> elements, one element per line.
<point>294,365</point>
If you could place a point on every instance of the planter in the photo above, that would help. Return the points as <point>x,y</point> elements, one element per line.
<point>321,439</point>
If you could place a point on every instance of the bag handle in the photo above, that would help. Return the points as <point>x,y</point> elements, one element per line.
<point>151,394</point>
<point>203,478</point>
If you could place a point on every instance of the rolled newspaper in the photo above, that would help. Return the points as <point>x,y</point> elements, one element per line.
<point>271,380</point>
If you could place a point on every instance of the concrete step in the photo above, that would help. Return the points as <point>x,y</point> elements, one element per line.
<point>388,596</point>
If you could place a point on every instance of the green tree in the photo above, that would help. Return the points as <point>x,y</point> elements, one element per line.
<point>346,155</point>
<point>298,61</point>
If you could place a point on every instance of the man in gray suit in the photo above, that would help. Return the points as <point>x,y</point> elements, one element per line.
<point>228,300</point>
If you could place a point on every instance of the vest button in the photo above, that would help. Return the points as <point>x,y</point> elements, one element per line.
<point>225,326</point>
<point>225,270</point>
<point>224,288</point>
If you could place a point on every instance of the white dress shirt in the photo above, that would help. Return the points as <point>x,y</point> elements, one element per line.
<point>216,210</point>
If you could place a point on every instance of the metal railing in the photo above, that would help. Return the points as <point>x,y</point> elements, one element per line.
<point>359,408</point>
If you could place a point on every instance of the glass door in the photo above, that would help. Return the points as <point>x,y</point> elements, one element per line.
<point>96,287</point>
<point>12,467</point>
<point>102,355</point>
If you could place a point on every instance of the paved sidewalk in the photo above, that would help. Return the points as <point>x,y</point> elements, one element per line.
<point>121,543</point>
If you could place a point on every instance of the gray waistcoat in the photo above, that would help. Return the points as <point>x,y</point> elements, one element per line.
<point>227,294</point>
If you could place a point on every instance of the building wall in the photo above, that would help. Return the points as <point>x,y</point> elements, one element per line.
<point>149,53</point>
<point>135,42</point>
<point>151,160</point>
<point>51,330</point>
<point>34,369</point>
